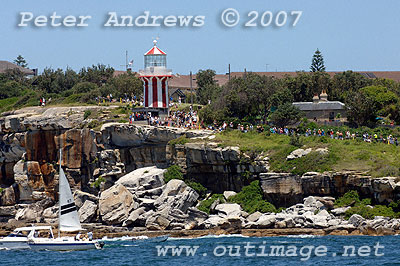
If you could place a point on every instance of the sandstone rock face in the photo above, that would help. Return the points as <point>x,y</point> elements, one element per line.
<point>218,169</point>
<point>115,204</point>
<point>285,189</point>
<point>123,135</point>
<point>283,186</point>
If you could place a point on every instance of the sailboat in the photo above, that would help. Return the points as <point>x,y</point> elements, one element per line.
<point>68,222</point>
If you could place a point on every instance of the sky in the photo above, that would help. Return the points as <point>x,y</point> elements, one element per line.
<point>360,35</point>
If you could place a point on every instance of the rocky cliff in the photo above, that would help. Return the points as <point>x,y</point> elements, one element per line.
<point>117,171</point>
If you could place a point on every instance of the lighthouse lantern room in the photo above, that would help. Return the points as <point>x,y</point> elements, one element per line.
<point>155,78</point>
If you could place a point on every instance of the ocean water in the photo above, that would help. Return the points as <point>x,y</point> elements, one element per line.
<point>225,250</point>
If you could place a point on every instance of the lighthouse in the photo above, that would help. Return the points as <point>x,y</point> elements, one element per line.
<point>155,76</point>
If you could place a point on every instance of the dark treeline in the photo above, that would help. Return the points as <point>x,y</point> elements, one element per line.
<point>254,97</point>
<point>66,86</point>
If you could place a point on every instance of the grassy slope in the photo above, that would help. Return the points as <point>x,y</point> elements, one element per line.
<point>375,159</point>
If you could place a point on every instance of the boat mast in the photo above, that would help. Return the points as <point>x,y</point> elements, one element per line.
<point>59,204</point>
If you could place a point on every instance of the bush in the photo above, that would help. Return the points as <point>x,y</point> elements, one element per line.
<point>349,198</point>
<point>98,182</point>
<point>199,188</point>
<point>369,212</point>
<point>250,198</point>
<point>173,172</point>
<point>84,87</point>
<point>206,204</point>
<point>182,140</point>
<point>296,141</point>
<point>87,114</point>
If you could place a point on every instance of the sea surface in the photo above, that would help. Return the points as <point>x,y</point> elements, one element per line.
<point>224,250</point>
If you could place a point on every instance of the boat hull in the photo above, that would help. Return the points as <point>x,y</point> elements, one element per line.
<point>5,244</point>
<point>65,246</point>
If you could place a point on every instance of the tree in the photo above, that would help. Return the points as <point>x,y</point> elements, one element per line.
<point>286,114</point>
<point>98,74</point>
<point>317,64</point>
<point>128,84</point>
<point>10,89</point>
<point>205,85</point>
<point>21,61</point>
<point>84,87</point>
<point>361,110</point>
<point>346,83</point>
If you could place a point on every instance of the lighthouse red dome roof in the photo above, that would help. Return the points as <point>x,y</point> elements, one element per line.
<point>155,50</point>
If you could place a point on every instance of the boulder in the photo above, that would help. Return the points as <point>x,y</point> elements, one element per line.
<point>176,195</point>
<point>356,220</point>
<point>8,197</point>
<point>158,221</point>
<point>50,215</point>
<point>266,221</point>
<point>228,194</point>
<point>298,154</point>
<point>81,197</point>
<point>8,210</point>
<point>33,212</point>
<point>115,205</point>
<point>146,178</point>
<point>134,216</point>
<point>340,211</point>
<point>87,211</point>
<point>229,210</point>
<point>213,221</point>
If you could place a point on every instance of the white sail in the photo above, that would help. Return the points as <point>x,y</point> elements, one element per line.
<point>68,215</point>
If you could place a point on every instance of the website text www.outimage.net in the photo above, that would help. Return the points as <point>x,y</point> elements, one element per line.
<point>251,249</point>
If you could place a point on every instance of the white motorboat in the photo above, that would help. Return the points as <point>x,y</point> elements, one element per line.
<point>68,222</point>
<point>18,239</point>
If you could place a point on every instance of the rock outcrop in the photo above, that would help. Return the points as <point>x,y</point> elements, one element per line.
<point>283,189</point>
<point>218,169</point>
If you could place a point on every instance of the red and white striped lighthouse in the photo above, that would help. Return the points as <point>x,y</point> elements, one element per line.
<point>155,78</point>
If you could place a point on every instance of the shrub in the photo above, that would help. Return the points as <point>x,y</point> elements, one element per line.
<point>199,188</point>
<point>173,172</point>
<point>369,212</point>
<point>250,198</point>
<point>98,182</point>
<point>206,204</point>
<point>87,114</point>
<point>84,87</point>
<point>296,141</point>
<point>349,198</point>
<point>182,140</point>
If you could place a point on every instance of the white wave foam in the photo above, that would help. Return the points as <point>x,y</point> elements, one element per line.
<point>207,236</point>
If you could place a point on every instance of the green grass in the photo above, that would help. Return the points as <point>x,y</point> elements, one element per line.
<point>7,104</point>
<point>375,159</point>
<point>186,107</point>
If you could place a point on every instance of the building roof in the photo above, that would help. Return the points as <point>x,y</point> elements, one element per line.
<point>155,50</point>
<point>5,65</point>
<point>320,106</point>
